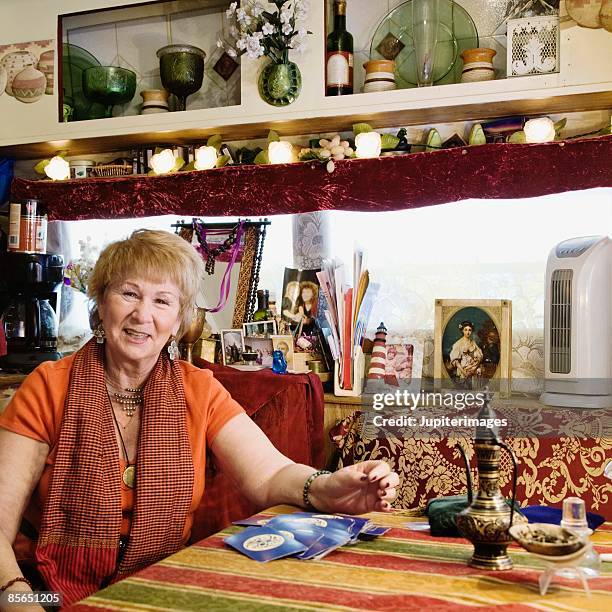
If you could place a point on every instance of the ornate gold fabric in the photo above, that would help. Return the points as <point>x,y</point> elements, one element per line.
<point>550,468</point>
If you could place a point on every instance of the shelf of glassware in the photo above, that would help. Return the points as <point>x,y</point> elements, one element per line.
<point>584,82</point>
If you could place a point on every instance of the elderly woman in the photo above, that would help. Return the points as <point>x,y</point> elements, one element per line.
<point>103,452</point>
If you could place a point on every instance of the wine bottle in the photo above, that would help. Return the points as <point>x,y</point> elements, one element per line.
<point>339,58</point>
<point>263,309</point>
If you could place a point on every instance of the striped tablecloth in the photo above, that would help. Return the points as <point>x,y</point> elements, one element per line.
<point>401,571</point>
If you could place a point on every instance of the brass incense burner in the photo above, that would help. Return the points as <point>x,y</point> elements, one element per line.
<point>487,519</point>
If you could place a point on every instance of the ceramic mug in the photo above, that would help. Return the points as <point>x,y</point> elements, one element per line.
<point>478,65</point>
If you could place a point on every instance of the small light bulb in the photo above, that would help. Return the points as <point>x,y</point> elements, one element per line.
<point>280,152</point>
<point>368,144</point>
<point>539,130</point>
<point>163,162</point>
<point>205,158</point>
<point>58,169</point>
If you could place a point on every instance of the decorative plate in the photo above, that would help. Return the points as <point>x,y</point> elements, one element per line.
<point>75,60</point>
<point>393,40</point>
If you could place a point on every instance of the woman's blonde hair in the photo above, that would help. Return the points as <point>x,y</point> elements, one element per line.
<point>155,256</point>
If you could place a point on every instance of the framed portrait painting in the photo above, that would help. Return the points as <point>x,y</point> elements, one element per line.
<point>473,344</point>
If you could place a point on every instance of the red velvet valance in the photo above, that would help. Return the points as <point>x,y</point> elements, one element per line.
<point>381,184</point>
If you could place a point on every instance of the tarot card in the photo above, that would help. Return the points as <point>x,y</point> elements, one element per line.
<point>329,541</point>
<point>369,533</point>
<point>265,544</point>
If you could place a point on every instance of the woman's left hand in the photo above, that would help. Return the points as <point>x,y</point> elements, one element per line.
<point>356,489</point>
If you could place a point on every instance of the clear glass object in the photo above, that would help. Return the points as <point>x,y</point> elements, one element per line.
<point>574,515</point>
<point>578,566</point>
<point>425,22</point>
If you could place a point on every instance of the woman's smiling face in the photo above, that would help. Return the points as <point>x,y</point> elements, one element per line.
<point>139,317</point>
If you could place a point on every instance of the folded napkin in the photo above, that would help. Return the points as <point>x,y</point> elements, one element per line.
<point>545,514</point>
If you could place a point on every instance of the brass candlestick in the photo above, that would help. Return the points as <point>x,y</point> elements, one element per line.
<point>193,333</point>
<point>485,522</point>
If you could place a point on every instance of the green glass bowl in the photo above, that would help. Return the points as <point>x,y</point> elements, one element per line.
<point>109,85</point>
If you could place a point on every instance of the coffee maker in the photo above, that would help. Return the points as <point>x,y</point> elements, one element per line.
<point>30,285</point>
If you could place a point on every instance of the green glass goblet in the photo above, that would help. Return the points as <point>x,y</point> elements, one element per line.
<point>182,71</point>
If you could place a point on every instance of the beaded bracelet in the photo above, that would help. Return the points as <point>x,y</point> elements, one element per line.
<point>308,484</point>
<point>13,581</point>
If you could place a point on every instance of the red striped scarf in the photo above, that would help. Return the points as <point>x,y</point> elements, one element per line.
<point>81,523</point>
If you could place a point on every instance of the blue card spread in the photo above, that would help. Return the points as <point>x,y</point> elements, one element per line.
<point>312,535</point>
<point>265,544</point>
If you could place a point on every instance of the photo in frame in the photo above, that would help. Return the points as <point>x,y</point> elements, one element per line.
<point>300,299</point>
<point>232,346</point>
<point>260,329</point>
<point>206,348</point>
<point>262,346</point>
<point>473,344</point>
<point>403,367</point>
<point>285,345</point>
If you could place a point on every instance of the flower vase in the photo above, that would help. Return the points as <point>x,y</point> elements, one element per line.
<point>280,83</point>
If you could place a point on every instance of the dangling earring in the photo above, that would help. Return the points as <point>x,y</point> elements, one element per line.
<point>99,333</point>
<point>173,349</point>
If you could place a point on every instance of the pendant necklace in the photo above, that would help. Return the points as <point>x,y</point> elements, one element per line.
<point>129,474</point>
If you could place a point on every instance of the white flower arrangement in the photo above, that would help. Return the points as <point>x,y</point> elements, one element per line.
<point>78,271</point>
<point>258,32</point>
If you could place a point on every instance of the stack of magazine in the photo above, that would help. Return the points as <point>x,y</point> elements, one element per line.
<point>304,535</point>
<point>347,309</point>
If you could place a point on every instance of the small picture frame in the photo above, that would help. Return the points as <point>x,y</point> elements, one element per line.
<point>473,344</point>
<point>260,329</point>
<point>232,346</point>
<point>262,346</point>
<point>403,367</point>
<point>208,349</point>
<point>285,345</point>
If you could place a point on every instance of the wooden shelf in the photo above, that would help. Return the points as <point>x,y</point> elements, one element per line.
<point>559,103</point>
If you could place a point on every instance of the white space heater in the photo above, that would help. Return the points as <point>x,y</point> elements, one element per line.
<point>578,324</point>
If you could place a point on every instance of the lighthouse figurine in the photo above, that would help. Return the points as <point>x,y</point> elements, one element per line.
<point>379,354</point>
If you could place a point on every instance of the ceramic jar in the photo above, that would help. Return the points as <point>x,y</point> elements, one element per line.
<point>3,79</point>
<point>380,75</point>
<point>154,101</point>
<point>14,63</point>
<point>45,65</point>
<point>81,168</point>
<point>29,85</point>
<point>478,65</point>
